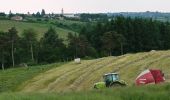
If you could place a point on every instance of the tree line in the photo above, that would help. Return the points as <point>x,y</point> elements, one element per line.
<point>127,35</point>
<point>106,38</point>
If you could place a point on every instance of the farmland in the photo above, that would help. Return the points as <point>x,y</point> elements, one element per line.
<point>72,81</point>
<point>40,28</point>
<point>82,76</point>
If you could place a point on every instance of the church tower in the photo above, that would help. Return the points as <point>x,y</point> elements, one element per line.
<point>62,12</point>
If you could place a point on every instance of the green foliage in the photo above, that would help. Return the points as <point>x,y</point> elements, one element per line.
<point>129,93</point>
<point>79,46</point>
<point>13,34</point>
<point>51,48</point>
<point>114,37</point>
<point>30,38</point>
<point>134,35</point>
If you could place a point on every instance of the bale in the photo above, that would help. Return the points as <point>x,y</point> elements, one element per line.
<point>77,60</point>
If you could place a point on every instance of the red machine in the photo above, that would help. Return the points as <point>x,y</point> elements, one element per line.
<point>150,76</point>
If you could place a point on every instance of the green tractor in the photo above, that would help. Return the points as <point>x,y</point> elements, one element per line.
<point>110,80</point>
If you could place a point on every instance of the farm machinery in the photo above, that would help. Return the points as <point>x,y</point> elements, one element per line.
<point>149,76</point>
<point>110,80</point>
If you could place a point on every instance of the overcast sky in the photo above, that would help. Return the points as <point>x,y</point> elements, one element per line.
<point>86,6</point>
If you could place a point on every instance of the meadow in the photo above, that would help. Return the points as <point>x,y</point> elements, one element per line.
<point>40,28</point>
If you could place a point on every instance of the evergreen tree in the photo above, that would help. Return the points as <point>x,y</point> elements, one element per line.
<point>30,38</point>
<point>108,43</point>
<point>4,41</point>
<point>13,38</point>
<point>51,47</point>
<point>38,14</point>
<point>79,46</point>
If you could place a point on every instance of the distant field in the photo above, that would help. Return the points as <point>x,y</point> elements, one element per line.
<point>38,27</point>
<point>68,22</point>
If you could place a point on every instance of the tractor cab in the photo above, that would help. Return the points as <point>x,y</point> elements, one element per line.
<point>110,78</point>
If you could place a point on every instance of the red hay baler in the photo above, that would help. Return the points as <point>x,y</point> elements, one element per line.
<point>150,76</point>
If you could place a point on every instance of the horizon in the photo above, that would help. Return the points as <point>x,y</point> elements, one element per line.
<point>88,6</point>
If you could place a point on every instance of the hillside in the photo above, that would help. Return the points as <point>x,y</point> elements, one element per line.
<point>11,79</point>
<point>70,76</point>
<point>40,28</point>
<point>82,76</point>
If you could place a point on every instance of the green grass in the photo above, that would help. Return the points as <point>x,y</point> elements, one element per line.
<point>68,22</point>
<point>12,79</point>
<point>40,28</point>
<point>158,92</point>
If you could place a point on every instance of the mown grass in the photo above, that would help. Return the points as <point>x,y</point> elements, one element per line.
<point>82,76</point>
<point>155,92</point>
<point>12,79</point>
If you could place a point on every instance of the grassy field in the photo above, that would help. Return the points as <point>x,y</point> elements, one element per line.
<point>38,27</point>
<point>11,79</point>
<point>72,81</point>
<point>68,22</point>
<point>160,92</point>
<point>82,76</point>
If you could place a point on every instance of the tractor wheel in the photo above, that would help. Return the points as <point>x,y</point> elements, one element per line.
<point>117,84</point>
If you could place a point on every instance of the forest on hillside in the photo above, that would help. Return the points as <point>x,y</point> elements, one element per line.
<point>104,38</point>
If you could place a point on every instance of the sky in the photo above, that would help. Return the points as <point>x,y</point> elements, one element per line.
<point>84,6</point>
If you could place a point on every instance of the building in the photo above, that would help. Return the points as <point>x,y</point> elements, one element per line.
<point>17,18</point>
<point>68,15</point>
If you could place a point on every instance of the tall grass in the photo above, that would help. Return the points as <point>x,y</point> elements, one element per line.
<point>155,92</point>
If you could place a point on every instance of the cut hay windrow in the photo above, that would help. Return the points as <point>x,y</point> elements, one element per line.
<point>111,68</point>
<point>41,81</point>
<point>86,73</point>
<point>82,76</point>
<point>65,76</point>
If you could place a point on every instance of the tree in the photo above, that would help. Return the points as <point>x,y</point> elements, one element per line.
<point>42,12</point>
<point>112,40</point>
<point>73,44</point>
<point>29,36</point>
<point>2,14</point>
<point>119,39</point>
<point>38,14</point>
<point>13,38</point>
<point>51,47</point>
<point>79,46</point>
<point>108,42</point>
<point>3,43</point>
<point>85,48</point>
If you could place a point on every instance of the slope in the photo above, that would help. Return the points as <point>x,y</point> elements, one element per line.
<point>82,76</point>
<point>40,28</point>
